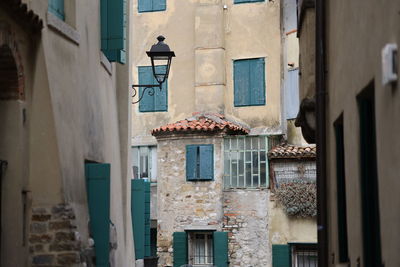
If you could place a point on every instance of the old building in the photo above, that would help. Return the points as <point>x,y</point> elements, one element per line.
<point>202,141</point>
<point>65,123</point>
<point>354,48</point>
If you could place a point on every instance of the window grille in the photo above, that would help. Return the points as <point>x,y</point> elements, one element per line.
<point>144,162</point>
<point>304,256</point>
<point>201,248</point>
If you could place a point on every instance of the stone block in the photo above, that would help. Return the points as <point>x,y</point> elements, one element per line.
<point>209,31</point>
<point>65,237</point>
<point>45,259</point>
<point>38,228</point>
<point>59,225</point>
<point>44,238</point>
<point>68,258</point>
<point>63,247</point>
<point>41,217</point>
<point>209,67</point>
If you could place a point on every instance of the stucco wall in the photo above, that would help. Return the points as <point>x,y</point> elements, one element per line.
<point>356,33</point>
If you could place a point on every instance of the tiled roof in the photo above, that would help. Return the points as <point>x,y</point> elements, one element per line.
<point>292,151</point>
<point>23,15</point>
<point>202,122</point>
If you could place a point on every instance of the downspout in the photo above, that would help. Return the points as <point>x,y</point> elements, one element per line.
<point>321,93</point>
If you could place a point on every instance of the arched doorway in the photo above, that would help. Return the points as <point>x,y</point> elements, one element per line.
<point>12,148</point>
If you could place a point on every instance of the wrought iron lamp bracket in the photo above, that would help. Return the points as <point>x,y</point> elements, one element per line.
<point>145,86</point>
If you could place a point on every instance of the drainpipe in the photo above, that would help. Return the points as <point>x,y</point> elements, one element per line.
<point>321,93</point>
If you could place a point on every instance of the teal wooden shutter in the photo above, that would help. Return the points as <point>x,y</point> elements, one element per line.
<point>56,7</point>
<point>159,5</point>
<point>98,193</point>
<point>257,82</point>
<point>180,248</point>
<point>281,256</point>
<point>220,247</point>
<point>138,216</point>
<point>146,77</point>
<point>113,29</point>
<point>247,1</point>
<point>145,5</point>
<point>191,160</point>
<point>161,97</point>
<point>241,83</point>
<point>206,162</point>
<point>147,248</point>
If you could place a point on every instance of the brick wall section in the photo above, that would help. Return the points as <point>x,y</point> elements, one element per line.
<point>246,221</point>
<point>53,237</point>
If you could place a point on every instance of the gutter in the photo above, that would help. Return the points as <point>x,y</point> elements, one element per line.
<point>321,93</point>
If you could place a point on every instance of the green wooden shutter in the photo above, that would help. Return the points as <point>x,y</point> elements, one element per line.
<point>180,248</point>
<point>220,247</point>
<point>113,29</point>
<point>241,83</point>
<point>159,5</point>
<point>160,97</point>
<point>206,162</point>
<point>147,248</point>
<point>281,256</point>
<point>257,82</point>
<point>98,193</point>
<point>138,216</point>
<point>191,160</point>
<point>56,7</point>
<point>146,77</point>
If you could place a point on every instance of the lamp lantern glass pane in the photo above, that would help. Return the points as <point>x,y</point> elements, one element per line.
<point>160,55</point>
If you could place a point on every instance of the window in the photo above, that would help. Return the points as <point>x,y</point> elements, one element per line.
<point>152,5</point>
<point>199,162</point>
<point>56,7</point>
<point>144,162</point>
<point>201,248</point>
<point>246,1</point>
<point>245,162</point>
<point>156,100</point>
<point>113,29</point>
<point>294,255</point>
<point>249,82</point>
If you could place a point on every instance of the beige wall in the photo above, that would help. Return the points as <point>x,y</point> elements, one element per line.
<point>76,110</point>
<point>356,33</point>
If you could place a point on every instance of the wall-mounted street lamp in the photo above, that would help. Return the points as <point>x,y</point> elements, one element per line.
<point>160,54</point>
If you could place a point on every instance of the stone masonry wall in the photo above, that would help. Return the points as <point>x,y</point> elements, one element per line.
<point>246,221</point>
<point>185,205</point>
<point>53,239</point>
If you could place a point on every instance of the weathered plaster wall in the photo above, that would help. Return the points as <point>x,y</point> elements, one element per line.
<point>184,205</point>
<point>246,219</point>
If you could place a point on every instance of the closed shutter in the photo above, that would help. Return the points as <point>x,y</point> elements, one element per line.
<point>281,256</point>
<point>206,162</point>
<point>146,77</point>
<point>147,248</point>
<point>191,161</point>
<point>113,29</point>
<point>145,5</point>
<point>161,97</point>
<point>98,194</point>
<point>247,1</point>
<point>56,7</point>
<point>220,249</point>
<point>292,99</point>
<point>241,83</point>
<point>180,248</point>
<point>138,216</point>
<point>257,82</point>
<point>159,5</point>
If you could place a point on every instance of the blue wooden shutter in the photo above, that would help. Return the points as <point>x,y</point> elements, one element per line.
<point>98,193</point>
<point>146,77</point>
<point>206,162</point>
<point>138,216</point>
<point>180,248</point>
<point>159,5</point>
<point>241,83</point>
<point>292,99</point>
<point>257,82</point>
<point>220,247</point>
<point>145,5</point>
<point>191,160</point>
<point>281,256</point>
<point>113,29</point>
<point>147,249</point>
<point>246,1</point>
<point>56,7</point>
<point>160,97</point>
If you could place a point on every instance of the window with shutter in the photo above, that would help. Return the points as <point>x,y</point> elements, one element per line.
<point>281,256</point>
<point>113,29</point>
<point>56,7</point>
<point>247,1</point>
<point>140,210</point>
<point>221,249</point>
<point>180,249</point>
<point>158,101</point>
<point>98,194</point>
<point>199,162</point>
<point>151,5</point>
<point>249,82</point>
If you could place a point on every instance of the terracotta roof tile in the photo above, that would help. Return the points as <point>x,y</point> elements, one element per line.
<point>202,122</point>
<point>292,151</point>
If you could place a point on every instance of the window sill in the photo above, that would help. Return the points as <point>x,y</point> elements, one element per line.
<point>105,63</point>
<point>245,189</point>
<point>58,25</point>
